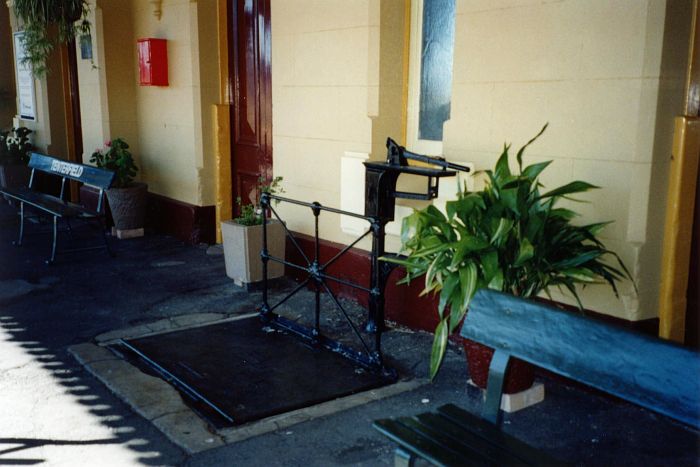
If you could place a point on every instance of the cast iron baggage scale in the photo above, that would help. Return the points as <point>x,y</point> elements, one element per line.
<point>228,383</point>
<point>380,200</point>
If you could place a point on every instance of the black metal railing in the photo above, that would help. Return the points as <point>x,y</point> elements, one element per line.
<point>317,275</point>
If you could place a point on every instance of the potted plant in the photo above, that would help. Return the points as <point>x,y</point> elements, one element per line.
<point>47,23</point>
<point>127,198</point>
<point>242,239</point>
<point>509,236</point>
<point>15,147</point>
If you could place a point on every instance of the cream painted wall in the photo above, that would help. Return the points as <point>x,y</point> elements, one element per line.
<point>174,121</point>
<point>169,128</point>
<point>336,88</point>
<point>593,70</point>
<point>607,76</point>
<point>165,114</point>
<point>320,99</point>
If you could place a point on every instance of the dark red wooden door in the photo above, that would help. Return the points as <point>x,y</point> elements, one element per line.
<point>251,112</point>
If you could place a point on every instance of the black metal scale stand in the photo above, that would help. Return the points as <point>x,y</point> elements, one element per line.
<point>380,199</point>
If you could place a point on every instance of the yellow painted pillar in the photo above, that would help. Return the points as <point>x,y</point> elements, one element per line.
<point>679,228</point>
<point>224,193</point>
<point>222,119</point>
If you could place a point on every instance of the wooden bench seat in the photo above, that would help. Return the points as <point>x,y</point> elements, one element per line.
<point>50,204</point>
<point>652,373</point>
<point>453,436</point>
<point>58,207</point>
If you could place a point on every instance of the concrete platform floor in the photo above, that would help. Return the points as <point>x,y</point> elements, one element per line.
<point>54,411</point>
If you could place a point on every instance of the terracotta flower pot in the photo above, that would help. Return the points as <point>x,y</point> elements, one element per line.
<point>519,376</point>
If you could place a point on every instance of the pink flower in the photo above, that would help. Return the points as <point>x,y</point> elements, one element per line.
<point>108,143</point>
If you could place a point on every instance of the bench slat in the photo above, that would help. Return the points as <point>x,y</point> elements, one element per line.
<point>87,174</point>
<point>463,440</point>
<point>51,204</point>
<point>494,435</point>
<point>421,445</point>
<point>466,448</point>
<point>650,372</point>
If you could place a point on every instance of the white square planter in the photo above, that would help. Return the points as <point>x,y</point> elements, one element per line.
<point>242,246</point>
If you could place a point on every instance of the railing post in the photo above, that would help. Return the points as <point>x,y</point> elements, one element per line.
<point>316,209</point>
<point>264,256</point>
<point>375,323</point>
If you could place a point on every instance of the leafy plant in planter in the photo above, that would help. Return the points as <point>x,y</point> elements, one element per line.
<point>15,147</point>
<point>127,199</point>
<point>510,237</point>
<point>251,214</point>
<point>47,23</point>
<point>115,156</point>
<point>242,239</point>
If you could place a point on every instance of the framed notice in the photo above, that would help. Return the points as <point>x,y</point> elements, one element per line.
<point>25,81</point>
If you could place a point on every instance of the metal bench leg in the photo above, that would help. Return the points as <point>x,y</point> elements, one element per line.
<point>494,386</point>
<point>55,241</point>
<point>21,224</point>
<point>104,237</point>
<point>403,458</point>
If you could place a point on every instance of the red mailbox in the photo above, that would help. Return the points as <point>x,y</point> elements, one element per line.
<point>153,62</point>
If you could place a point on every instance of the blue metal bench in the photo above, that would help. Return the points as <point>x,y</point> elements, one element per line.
<point>650,372</point>
<point>58,207</point>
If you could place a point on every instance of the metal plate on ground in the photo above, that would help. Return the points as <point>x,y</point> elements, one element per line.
<point>240,371</point>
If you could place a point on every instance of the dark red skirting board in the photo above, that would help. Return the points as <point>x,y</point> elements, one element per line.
<point>404,305</point>
<point>187,222</point>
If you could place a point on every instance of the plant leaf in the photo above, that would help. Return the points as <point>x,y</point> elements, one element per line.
<point>534,170</point>
<point>504,226</point>
<point>502,170</point>
<point>489,263</point>
<point>525,252</point>
<point>467,281</point>
<point>519,156</point>
<point>510,199</point>
<point>496,282</point>
<point>573,187</point>
<point>446,293</point>
<point>439,345</point>
<point>581,275</point>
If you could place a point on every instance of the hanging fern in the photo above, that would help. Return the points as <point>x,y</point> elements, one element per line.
<point>48,23</point>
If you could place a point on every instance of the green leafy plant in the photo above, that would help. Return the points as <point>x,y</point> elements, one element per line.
<point>48,23</point>
<point>115,156</point>
<point>15,146</point>
<point>251,213</point>
<point>510,237</point>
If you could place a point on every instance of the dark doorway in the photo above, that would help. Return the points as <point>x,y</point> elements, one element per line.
<point>251,112</point>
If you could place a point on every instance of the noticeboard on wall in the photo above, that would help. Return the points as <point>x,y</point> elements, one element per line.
<point>25,81</point>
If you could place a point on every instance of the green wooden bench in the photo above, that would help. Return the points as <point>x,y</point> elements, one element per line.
<point>649,372</point>
<point>58,207</point>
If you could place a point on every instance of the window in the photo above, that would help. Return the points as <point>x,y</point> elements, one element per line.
<point>430,73</point>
